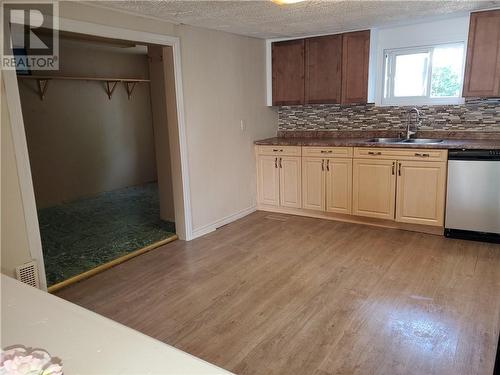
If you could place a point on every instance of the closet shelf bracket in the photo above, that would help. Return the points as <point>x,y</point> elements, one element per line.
<point>110,87</point>
<point>129,86</point>
<point>110,83</point>
<point>42,87</point>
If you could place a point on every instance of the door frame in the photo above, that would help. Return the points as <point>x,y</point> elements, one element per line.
<point>184,224</point>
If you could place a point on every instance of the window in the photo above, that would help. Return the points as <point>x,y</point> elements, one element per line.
<point>426,75</point>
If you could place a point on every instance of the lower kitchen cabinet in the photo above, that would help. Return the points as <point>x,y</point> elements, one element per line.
<point>402,185</point>
<point>374,188</point>
<point>279,181</point>
<point>339,185</point>
<point>313,184</point>
<point>268,180</point>
<point>290,181</point>
<point>327,184</point>
<point>421,190</point>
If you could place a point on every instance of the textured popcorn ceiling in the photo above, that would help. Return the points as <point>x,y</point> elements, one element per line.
<point>264,19</point>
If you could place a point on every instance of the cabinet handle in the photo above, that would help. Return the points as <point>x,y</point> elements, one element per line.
<point>328,165</point>
<point>422,155</point>
<point>399,169</point>
<point>280,163</point>
<point>277,150</point>
<point>393,167</point>
<point>322,164</point>
<point>275,162</point>
<point>374,153</point>
<point>326,151</point>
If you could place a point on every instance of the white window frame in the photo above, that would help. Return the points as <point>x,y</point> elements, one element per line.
<point>388,79</point>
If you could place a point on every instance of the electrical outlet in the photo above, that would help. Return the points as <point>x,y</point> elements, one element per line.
<point>242,125</point>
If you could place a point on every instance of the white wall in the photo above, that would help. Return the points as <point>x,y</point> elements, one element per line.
<point>14,237</point>
<point>452,30</point>
<point>224,85</point>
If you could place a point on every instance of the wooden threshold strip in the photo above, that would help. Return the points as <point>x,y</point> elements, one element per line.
<point>108,265</point>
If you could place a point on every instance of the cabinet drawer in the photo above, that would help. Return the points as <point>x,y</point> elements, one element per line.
<point>332,152</point>
<point>400,153</point>
<point>279,150</point>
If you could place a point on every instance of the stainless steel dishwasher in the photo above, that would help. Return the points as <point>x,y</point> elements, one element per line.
<point>473,197</point>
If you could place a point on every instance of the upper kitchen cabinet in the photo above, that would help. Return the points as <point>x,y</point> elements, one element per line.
<point>482,68</point>
<point>288,72</point>
<point>355,56</point>
<point>323,78</point>
<point>331,69</point>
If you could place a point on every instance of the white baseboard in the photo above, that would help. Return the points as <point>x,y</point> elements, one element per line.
<point>198,232</point>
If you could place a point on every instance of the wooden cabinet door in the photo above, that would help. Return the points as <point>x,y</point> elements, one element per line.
<point>421,190</point>
<point>268,188</point>
<point>482,67</point>
<point>323,80</point>
<point>355,56</point>
<point>339,185</point>
<point>313,184</point>
<point>290,181</point>
<point>288,72</point>
<point>374,188</point>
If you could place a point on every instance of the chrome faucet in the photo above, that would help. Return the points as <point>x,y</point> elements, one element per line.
<point>409,133</point>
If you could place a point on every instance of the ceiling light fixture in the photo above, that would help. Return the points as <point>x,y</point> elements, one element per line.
<point>286,2</point>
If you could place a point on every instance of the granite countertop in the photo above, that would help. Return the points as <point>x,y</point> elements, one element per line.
<point>362,142</point>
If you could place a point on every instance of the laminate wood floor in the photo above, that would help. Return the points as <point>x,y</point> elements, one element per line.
<point>279,294</point>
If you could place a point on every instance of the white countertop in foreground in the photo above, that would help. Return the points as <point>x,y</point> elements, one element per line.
<point>86,342</point>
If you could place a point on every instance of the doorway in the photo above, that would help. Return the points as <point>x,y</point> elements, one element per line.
<point>96,156</point>
<point>180,179</point>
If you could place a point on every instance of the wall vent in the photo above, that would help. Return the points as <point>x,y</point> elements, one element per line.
<point>28,274</point>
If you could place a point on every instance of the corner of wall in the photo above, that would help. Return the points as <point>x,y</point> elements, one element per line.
<point>14,238</point>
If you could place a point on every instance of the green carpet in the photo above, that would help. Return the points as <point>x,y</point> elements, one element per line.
<point>80,235</point>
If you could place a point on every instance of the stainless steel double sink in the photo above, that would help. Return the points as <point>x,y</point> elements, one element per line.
<point>403,140</point>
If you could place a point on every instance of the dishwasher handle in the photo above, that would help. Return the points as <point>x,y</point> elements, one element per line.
<point>474,155</point>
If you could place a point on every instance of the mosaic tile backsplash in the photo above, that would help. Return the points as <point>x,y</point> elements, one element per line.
<point>474,115</point>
